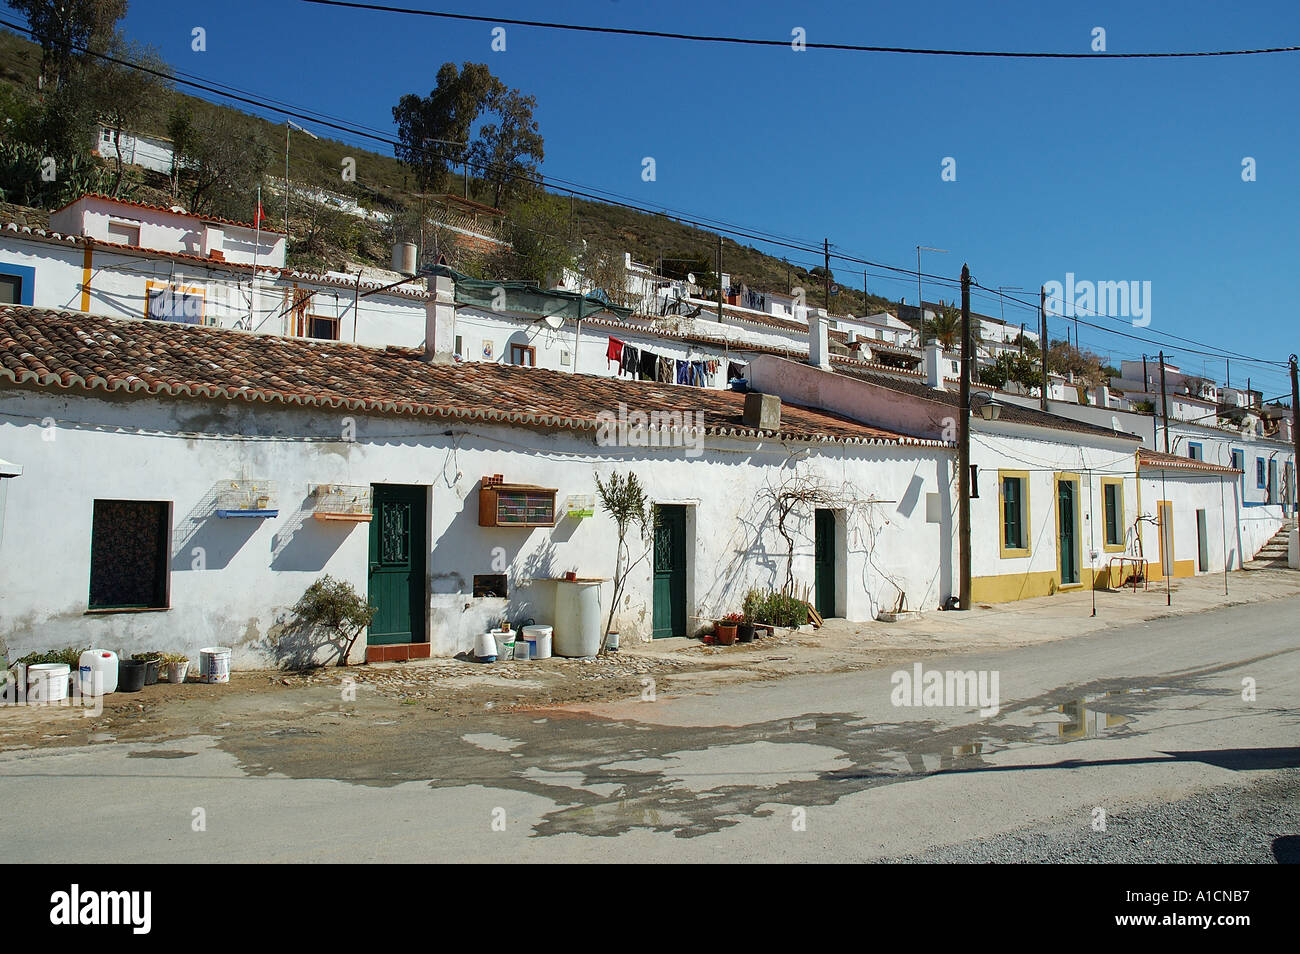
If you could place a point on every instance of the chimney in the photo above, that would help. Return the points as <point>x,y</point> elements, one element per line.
<point>934,366</point>
<point>819,354</point>
<point>762,411</point>
<point>404,258</point>
<point>440,319</point>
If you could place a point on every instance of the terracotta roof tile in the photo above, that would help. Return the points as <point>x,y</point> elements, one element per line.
<point>1155,460</point>
<point>43,348</point>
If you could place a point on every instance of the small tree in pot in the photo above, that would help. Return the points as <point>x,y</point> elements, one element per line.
<point>625,500</point>
<point>335,607</point>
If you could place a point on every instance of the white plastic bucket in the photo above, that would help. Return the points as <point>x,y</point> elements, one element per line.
<point>539,641</point>
<point>522,648</point>
<point>97,670</point>
<point>48,682</point>
<point>505,641</point>
<point>485,647</point>
<point>214,664</point>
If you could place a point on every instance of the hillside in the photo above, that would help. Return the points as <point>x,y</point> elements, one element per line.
<point>384,184</point>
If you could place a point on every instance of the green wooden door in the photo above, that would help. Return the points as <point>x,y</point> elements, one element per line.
<point>824,562</point>
<point>1067,535</point>
<point>670,572</point>
<point>397,560</point>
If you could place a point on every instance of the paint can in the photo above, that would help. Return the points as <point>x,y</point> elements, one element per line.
<point>539,641</point>
<point>505,640</point>
<point>214,664</point>
<point>485,647</point>
<point>48,682</point>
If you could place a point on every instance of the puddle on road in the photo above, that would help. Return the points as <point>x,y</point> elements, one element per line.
<point>694,780</point>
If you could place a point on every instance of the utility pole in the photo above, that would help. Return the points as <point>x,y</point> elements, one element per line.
<point>1164,401</point>
<point>963,448</point>
<point>1042,339</point>
<point>1295,432</point>
<point>826,250</point>
<point>719,278</point>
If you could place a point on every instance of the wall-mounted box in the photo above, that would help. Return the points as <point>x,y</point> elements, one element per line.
<point>515,505</point>
<point>581,505</point>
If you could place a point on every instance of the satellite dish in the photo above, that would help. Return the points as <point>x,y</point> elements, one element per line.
<point>690,278</point>
<point>554,322</point>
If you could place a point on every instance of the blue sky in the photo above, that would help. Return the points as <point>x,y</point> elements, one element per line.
<point>1114,171</point>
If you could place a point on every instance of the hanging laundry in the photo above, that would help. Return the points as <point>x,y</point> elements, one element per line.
<point>683,372</point>
<point>649,366</point>
<point>665,370</point>
<point>614,353</point>
<point>697,374</point>
<point>735,371</point>
<point>629,362</point>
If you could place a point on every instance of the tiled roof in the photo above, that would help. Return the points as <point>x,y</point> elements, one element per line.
<point>1011,413</point>
<point>1154,460</point>
<point>413,288</point>
<point>43,348</point>
<point>162,208</point>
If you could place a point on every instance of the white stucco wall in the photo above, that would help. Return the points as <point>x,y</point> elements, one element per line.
<point>77,449</point>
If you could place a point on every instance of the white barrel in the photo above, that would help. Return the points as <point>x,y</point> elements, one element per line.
<point>505,639</point>
<point>97,670</point>
<point>48,682</point>
<point>539,641</point>
<point>485,647</point>
<point>577,618</point>
<point>214,664</point>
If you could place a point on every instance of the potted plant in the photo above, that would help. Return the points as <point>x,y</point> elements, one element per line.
<point>726,628</point>
<point>625,500</point>
<point>153,661</point>
<point>178,666</point>
<point>745,632</point>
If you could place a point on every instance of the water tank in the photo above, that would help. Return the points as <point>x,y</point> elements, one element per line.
<point>97,670</point>
<point>404,258</point>
<point>577,618</point>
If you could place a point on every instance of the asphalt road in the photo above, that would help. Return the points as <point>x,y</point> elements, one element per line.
<point>1110,746</point>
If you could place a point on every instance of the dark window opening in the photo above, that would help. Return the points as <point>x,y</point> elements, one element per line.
<point>325,328</point>
<point>129,543</point>
<point>1114,524</point>
<point>490,584</point>
<point>1013,523</point>
<point>11,290</point>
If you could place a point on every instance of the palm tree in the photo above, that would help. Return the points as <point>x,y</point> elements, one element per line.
<point>944,327</point>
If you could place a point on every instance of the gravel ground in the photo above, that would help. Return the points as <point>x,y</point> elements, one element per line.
<point>1259,824</point>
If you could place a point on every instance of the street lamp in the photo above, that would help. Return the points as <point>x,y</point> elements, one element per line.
<point>987,407</point>
<point>289,124</point>
<point>920,301</point>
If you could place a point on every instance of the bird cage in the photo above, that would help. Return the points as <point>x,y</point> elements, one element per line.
<point>342,502</point>
<point>246,498</point>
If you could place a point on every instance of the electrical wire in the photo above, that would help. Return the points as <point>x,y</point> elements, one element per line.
<point>758,41</point>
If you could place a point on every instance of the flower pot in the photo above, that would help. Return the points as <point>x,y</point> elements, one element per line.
<point>130,675</point>
<point>176,672</point>
<point>726,633</point>
<point>745,632</point>
<point>151,671</point>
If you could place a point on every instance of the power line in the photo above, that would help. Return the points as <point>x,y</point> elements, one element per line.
<point>759,41</point>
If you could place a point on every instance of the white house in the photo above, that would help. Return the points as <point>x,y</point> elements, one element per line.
<point>137,225</point>
<point>148,152</point>
<point>183,485</point>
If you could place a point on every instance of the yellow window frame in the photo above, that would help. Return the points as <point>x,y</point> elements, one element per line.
<point>1120,547</point>
<point>1004,551</point>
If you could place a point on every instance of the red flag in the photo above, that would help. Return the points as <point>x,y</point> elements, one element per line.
<point>259,216</point>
